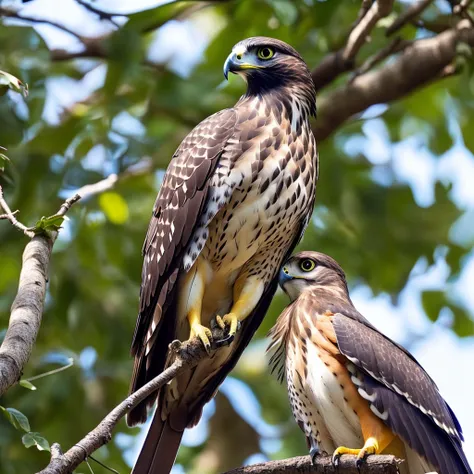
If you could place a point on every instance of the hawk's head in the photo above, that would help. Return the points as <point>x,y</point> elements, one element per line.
<point>307,270</point>
<point>268,63</point>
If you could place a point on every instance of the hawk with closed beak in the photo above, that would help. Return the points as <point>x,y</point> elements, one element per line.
<point>235,200</point>
<point>352,389</point>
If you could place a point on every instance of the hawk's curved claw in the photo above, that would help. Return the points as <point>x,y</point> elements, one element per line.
<point>230,321</point>
<point>314,453</point>
<point>226,341</point>
<point>203,333</point>
<point>370,447</point>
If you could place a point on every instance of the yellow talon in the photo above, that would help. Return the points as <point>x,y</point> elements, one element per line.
<point>203,333</point>
<point>229,320</point>
<point>371,446</point>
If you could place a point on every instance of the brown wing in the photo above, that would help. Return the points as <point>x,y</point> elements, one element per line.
<point>176,215</point>
<point>402,393</point>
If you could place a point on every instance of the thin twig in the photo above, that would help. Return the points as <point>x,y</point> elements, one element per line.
<point>52,372</point>
<point>410,14</point>
<point>378,10</point>
<point>143,167</point>
<point>10,13</point>
<point>461,9</point>
<point>187,355</point>
<point>395,46</point>
<point>100,13</point>
<point>6,216</point>
<point>374,464</point>
<point>9,215</point>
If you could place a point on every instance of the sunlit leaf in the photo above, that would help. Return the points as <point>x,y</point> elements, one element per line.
<point>47,224</point>
<point>27,384</point>
<point>3,161</point>
<point>114,206</point>
<point>8,81</point>
<point>35,439</point>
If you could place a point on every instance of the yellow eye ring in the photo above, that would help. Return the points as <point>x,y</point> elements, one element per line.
<point>265,53</point>
<point>307,265</point>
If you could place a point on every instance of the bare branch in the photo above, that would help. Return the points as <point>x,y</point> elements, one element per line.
<point>378,10</point>
<point>410,14</point>
<point>142,167</point>
<point>329,68</point>
<point>10,13</point>
<point>187,355</point>
<point>9,215</point>
<point>339,62</point>
<point>364,8</point>
<point>100,13</point>
<point>419,64</point>
<point>27,309</point>
<point>461,9</point>
<point>302,464</point>
<point>395,46</point>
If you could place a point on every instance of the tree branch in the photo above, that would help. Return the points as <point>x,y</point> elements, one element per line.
<point>10,216</point>
<point>27,309</point>
<point>419,64</point>
<point>374,464</point>
<point>186,355</point>
<point>339,62</point>
<point>410,14</point>
<point>378,10</point>
<point>144,166</point>
<point>10,13</point>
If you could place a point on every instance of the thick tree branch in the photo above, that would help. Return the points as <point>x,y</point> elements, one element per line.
<point>419,64</point>
<point>302,464</point>
<point>27,309</point>
<point>186,355</point>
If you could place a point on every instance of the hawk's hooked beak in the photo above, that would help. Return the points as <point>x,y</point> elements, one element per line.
<point>284,276</point>
<point>236,62</point>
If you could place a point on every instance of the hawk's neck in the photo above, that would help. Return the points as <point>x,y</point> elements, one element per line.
<point>297,103</point>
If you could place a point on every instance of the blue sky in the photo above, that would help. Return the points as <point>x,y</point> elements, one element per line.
<point>447,358</point>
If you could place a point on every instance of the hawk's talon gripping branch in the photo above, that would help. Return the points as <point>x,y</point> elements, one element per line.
<point>204,334</point>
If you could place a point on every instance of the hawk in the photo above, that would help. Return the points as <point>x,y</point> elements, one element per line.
<point>352,389</point>
<point>235,200</point>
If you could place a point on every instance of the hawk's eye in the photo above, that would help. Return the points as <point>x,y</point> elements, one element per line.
<point>265,53</point>
<point>307,265</point>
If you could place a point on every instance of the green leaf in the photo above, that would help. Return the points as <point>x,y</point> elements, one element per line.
<point>3,161</point>
<point>154,18</point>
<point>16,418</point>
<point>285,11</point>
<point>433,302</point>
<point>7,81</point>
<point>35,439</point>
<point>48,224</point>
<point>114,206</point>
<point>27,384</point>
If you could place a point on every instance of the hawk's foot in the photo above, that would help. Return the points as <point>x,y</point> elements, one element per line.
<point>314,453</point>
<point>371,446</point>
<point>203,333</point>
<point>229,321</point>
